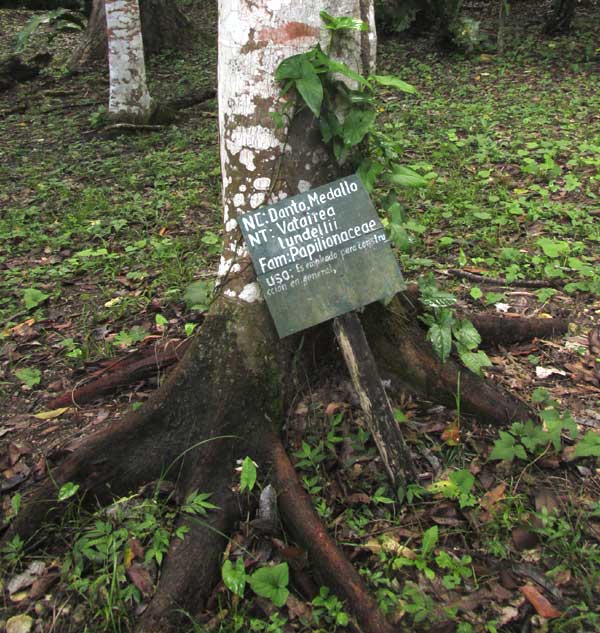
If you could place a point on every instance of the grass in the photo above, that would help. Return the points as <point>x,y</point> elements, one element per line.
<point>102,237</point>
<point>511,147</point>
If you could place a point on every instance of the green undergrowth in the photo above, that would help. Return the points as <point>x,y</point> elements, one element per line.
<point>510,147</point>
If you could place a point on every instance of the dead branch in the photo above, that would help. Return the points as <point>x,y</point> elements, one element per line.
<point>191,99</point>
<point>499,281</point>
<point>373,399</point>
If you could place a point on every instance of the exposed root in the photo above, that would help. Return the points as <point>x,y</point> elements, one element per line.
<point>191,99</point>
<point>216,407</point>
<point>402,351</point>
<point>121,373</point>
<point>303,522</point>
<point>228,385</point>
<point>192,567</point>
<point>498,330</point>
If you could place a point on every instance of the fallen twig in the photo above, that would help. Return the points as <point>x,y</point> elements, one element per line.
<point>132,127</point>
<point>499,281</point>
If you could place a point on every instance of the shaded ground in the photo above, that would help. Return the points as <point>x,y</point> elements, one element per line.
<point>102,237</point>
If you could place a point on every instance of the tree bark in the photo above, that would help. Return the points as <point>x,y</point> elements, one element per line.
<point>129,100</point>
<point>164,27</point>
<point>561,17</point>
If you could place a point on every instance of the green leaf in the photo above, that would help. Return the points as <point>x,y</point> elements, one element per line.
<point>330,126</point>
<point>540,395</point>
<point>474,361</point>
<point>311,90</point>
<point>432,297</point>
<point>196,503</point>
<point>33,298</point>
<point>291,67</point>
<point>557,424</point>
<point>248,475</point>
<point>553,248</point>
<point>406,177</point>
<point>210,238</point>
<point>189,328</point>
<point>299,69</point>
<point>476,293</point>
<point>463,480</point>
<point>67,491</point>
<point>357,125</point>
<point>494,297</point>
<point>343,23</point>
<point>394,82</point>
<point>543,294</point>
<point>589,445</point>
<point>368,171</point>
<point>23,36</point>
<point>160,320</point>
<point>271,582</point>
<point>430,539</point>
<point>29,375</point>
<point>333,66</point>
<point>533,436</point>
<point>234,577</point>
<point>440,337</point>
<point>466,334</point>
<point>504,447</point>
<point>198,295</point>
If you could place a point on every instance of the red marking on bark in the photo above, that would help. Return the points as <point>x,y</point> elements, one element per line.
<point>289,31</point>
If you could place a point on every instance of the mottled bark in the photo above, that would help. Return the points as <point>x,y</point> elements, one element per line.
<point>129,99</point>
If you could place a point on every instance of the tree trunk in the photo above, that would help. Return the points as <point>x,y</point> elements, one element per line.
<point>164,27</point>
<point>129,99</point>
<point>560,19</point>
<point>229,393</point>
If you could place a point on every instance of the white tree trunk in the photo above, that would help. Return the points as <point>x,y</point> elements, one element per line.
<point>129,99</point>
<point>258,166</point>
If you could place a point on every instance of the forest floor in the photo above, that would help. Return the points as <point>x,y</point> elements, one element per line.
<point>109,247</point>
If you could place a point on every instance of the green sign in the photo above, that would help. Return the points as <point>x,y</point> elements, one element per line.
<point>320,254</point>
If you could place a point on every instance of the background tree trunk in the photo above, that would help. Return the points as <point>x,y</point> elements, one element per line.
<point>560,19</point>
<point>129,99</point>
<point>164,27</point>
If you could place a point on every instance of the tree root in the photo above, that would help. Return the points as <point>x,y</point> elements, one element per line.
<point>121,373</point>
<point>189,572</point>
<point>495,329</point>
<point>403,352</point>
<point>498,330</point>
<point>218,390</point>
<point>303,522</point>
<point>191,99</point>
